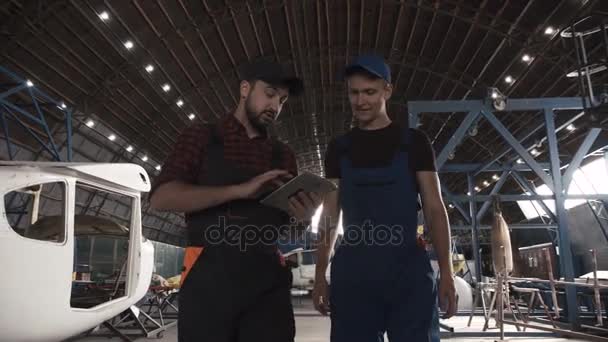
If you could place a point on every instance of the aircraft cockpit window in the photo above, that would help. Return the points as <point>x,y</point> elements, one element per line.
<point>102,224</point>
<point>38,211</point>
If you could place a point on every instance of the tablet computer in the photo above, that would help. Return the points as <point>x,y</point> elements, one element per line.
<point>305,181</point>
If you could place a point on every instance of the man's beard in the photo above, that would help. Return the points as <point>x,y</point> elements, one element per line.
<point>255,118</point>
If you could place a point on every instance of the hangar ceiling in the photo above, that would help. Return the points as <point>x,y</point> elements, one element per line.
<point>144,70</point>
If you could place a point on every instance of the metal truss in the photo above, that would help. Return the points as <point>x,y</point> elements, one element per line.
<point>549,173</point>
<point>23,102</point>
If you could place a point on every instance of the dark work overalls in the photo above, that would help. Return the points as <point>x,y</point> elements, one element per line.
<point>381,280</point>
<point>237,289</point>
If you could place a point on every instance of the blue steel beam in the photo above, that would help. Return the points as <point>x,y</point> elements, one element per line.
<point>444,106</point>
<point>34,94</point>
<point>9,145</point>
<point>474,227</point>
<point>579,156</point>
<point>502,130</point>
<point>456,138</point>
<point>495,167</point>
<point>562,103</point>
<point>12,91</point>
<point>413,119</point>
<point>23,112</point>
<point>527,136</point>
<point>514,198</point>
<point>33,134</point>
<point>524,184</point>
<point>44,123</point>
<point>512,105</point>
<point>565,250</point>
<point>501,181</point>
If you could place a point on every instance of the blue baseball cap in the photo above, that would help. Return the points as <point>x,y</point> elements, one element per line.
<point>373,64</point>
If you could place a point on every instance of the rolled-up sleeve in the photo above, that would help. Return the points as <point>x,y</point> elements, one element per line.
<point>185,160</point>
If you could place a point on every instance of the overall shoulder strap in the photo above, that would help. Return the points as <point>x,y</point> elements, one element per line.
<point>215,148</point>
<point>276,159</point>
<point>215,138</point>
<point>405,139</point>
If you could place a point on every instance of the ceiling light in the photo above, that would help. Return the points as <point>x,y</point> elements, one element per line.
<point>495,177</point>
<point>509,79</point>
<point>90,123</point>
<point>473,131</point>
<point>486,183</point>
<point>526,58</point>
<point>477,188</point>
<point>158,167</point>
<point>191,116</point>
<point>494,95</point>
<point>469,193</point>
<point>112,137</point>
<point>62,105</point>
<point>520,161</point>
<point>549,30</point>
<point>534,152</point>
<point>166,87</point>
<point>149,68</point>
<point>129,44</point>
<point>451,206</point>
<point>571,127</point>
<point>180,103</point>
<point>144,158</point>
<point>29,83</point>
<point>104,16</point>
<point>129,148</point>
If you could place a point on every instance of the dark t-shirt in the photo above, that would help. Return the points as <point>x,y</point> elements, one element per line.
<point>376,148</point>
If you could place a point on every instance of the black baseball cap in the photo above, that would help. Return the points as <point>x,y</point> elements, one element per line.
<point>372,64</point>
<point>272,73</point>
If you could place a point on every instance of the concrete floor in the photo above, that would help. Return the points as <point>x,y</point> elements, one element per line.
<point>312,327</point>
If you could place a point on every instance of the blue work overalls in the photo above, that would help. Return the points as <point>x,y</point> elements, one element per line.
<point>381,280</point>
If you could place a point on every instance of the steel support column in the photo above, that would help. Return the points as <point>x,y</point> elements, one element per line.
<point>565,251</point>
<point>474,227</point>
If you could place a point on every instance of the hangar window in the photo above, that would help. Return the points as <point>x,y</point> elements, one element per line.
<point>38,211</point>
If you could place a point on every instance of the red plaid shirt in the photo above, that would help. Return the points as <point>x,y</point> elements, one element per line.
<point>185,163</point>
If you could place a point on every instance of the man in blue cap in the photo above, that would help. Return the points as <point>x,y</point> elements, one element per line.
<point>381,278</point>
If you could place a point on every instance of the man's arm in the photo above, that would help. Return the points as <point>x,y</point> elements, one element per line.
<point>436,219</point>
<point>183,197</point>
<point>328,224</point>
